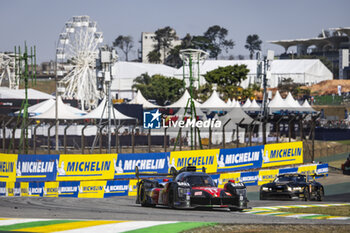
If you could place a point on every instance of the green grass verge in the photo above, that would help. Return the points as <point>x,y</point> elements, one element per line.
<point>332,211</point>
<point>19,226</point>
<point>174,227</point>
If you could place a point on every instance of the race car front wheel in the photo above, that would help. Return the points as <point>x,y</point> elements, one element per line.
<point>320,194</point>
<point>306,194</point>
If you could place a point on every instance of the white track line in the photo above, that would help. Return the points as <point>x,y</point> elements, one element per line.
<point>21,220</point>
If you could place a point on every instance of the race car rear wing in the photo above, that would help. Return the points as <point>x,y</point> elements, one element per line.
<point>173,172</point>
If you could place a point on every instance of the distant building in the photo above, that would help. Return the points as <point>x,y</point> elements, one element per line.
<point>148,44</point>
<point>333,44</point>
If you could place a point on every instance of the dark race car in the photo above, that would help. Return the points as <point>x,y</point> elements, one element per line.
<point>190,189</point>
<point>292,186</point>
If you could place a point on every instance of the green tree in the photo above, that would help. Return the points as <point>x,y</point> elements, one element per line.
<point>288,85</point>
<point>124,43</point>
<point>143,79</point>
<point>164,38</point>
<point>253,43</point>
<point>228,75</point>
<point>154,57</point>
<point>159,88</point>
<point>218,42</point>
<point>173,58</point>
<point>227,79</point>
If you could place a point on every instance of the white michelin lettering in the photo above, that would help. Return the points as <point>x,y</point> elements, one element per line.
<point>183,184</point>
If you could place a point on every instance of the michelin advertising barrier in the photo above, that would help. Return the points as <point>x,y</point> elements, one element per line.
<point>87,167</point>
<point>112,188</point>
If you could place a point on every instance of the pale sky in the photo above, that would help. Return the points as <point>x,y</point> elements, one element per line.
<point>40,22</point>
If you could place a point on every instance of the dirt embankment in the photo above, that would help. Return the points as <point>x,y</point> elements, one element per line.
<point>329,87</point>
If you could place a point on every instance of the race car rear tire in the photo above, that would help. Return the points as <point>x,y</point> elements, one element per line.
<point>171,199</point>
<point>320,194</point>
<point>306,194</point>
<point>143,197</point>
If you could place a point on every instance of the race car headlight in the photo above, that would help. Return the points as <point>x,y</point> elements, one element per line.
<point>297,189</point>
<point>265,189</point>
<point>289,189</point>
<point>183,192</point>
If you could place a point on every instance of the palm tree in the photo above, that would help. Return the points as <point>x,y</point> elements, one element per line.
<point>253,43</point>
<point>154,57</point>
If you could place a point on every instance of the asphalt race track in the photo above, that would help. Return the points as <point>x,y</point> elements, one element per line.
<point>124,208</point>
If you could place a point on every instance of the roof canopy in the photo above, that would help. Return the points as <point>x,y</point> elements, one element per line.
<point>64,112</point>
<point>98,113</point>
<point>128,71</point>
<point>41,107</point>
<point>7,93</point>
<point>139,99</point>
<point>214,102</point>
<point>236,115</point>
<point>182,102</point>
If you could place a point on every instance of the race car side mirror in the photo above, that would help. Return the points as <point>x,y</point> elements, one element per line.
<point>232,181</point>
<point>165,180</point>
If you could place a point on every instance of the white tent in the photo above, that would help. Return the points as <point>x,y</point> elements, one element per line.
<point>139,99</point>
<point>291,102</point>
<point>254,106</point>
<point>98,112</point>
<point>64,112</point>
<point>214,102</point>
<point>126,72</point>
<point>7,93</point>
<point>236,104</point>
<point>229,102</point>
<point>277,103</point>
<point>303,71</point>
<point>39,108</point>
<point>247,103</point>
<point>236,115</point>
<point>306,107</point>
<point>182,102</point>
<point>181,112</point>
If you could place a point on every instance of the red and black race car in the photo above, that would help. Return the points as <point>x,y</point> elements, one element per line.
<point>190,189</point>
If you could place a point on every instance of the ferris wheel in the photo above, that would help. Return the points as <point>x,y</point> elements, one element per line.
<point>7,71</point>
<point>76,53</point>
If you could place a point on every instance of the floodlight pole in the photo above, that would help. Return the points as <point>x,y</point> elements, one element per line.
<point>106,59</point>
<point>269,57</point>
<point>56,106</point>
<point>264,103</point>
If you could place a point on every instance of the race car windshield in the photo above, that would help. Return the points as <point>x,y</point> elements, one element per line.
<point>200,181</point>
<point>290,179</point>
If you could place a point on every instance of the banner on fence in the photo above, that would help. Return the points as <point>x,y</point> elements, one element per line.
<point>199,158</point>
<point>124,165</point>
<point>72,167</point>
<point>36,167</point>
<point>240,158</point>
<point>8,166</point>
<point>79,167</point>
<point>282,154</point>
